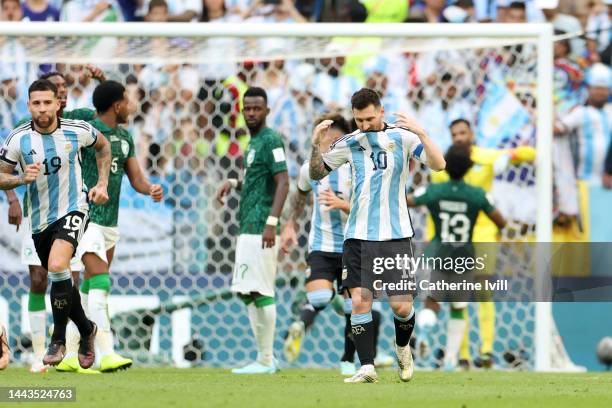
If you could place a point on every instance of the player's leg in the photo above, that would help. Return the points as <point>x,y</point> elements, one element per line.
<point>254,280</point>
<point>455,330</point>
<point>362,327</point>
<point>347,362</point>
<point>97,272</point>
<point>465,357</point>
<point>4,348</point>
<point>37,315</point>
<point>319,293</point>
<point>403,320</point>
<point>486,250</point>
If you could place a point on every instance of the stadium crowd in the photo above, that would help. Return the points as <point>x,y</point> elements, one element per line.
<point>187,115</point>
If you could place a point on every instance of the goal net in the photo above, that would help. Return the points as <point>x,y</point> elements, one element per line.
<point>169,301</point>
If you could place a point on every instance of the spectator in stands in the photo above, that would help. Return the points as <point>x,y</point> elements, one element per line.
<point>393,99</point>
<point>430,9</point>
<point>386,11</point>
<point>237,6</point>
<point>563,22</point>
<point>598,34</point>
<point>11,10</point>
<point>568,77</point>
<point>158,11</point>
<point>330,85</point>
<point>91,10</point>
<point>516,13</point>
<point>39,10</point>
<point>185,10</point>
<point>216,11</point>
<point>461,11</point>
<point>593,124</point>
<point>284,12</point>
<point>607,176</point>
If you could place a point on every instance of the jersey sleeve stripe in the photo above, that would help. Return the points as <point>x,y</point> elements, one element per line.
<point>418,150</point>
<point>4,159</point>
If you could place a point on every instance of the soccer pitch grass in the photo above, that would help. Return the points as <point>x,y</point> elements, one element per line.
<point>163,387</point>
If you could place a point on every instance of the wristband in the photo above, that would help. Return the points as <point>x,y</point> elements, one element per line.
<point>272,221</point>
<point>233,182</point>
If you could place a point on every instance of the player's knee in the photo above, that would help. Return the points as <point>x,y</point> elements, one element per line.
<point>320,298</point>
<point>402,310</point>
<point>55,266</point>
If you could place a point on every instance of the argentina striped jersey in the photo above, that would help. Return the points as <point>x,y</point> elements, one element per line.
<point>380,169</point>
<point>58,189</point>
<point>327,226</point>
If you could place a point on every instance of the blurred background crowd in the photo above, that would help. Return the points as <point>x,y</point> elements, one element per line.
<point>186,116</point>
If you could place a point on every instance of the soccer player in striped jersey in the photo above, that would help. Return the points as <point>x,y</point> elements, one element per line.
<point>47,149</point>
<point>455,206</point>
<point>38,275</point>
<point>331,206</point>
<point>378,224</point>
<point>97,248</point>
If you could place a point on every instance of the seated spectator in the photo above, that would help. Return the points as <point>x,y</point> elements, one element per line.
<point>39,10</point>
<point>157,12</point>
<point>91,10</point>
<point>592,123</point>
<point>598,34</point>
<point>11,11</point>
<point>216,11</point>
<point>185,10</point>
<point>430,9</point>
<point>461,11</point>
<point>516,13</point>
<point>284,12</point>
<point>386,11</point>
<point>563,22</point>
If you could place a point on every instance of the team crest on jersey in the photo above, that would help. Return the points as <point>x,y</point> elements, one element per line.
<point>68,147</point>
<point>250,157</point>
<point>125,147</point>
<point>391,146</point>
<point>344,273</point>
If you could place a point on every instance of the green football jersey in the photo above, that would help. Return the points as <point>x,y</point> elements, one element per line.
<point>122,148</point>
<point>454,207</point>
<point>76,114</point>
<point>264,157</point>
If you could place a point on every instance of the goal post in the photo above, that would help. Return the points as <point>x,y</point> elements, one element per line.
<point>64,43</point>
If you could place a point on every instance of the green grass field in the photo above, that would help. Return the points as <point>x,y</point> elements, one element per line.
<point>169,387</point>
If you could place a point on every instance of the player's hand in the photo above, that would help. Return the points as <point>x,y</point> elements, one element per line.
<point>607,181</point>
<point>98,195</point>
<point>288,237</point>
<point>268,238</point>
<point>405,121</point>
<point>15,215</point>
<point>320,131</point>
<point>31,172</point>
<point>223,191</point>
<point>96,73</point>
<point>331,201</point>
<point>156,192</point>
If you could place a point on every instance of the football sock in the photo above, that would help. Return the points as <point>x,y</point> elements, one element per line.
<point>99,286</point>
<point>61,302</point>
<point>362,327</point>
<point>266,325</point>
<point>464,350</point>
<point>486,323</point>
<point>376,328</point>
<point>455,328</point>
<point>37,316</point>
<point>349,346</point>
<point>77,314</point>
<point>403,328</point>
<point>307,315</point>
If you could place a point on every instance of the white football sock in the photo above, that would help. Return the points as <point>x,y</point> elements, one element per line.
<point>266,325</point>
<point>455,328</point>
<point>38,326</point>
<point>98,313</point>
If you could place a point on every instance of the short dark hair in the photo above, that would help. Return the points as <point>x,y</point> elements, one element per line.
<point>518,5</point>
<point>364,98</point>
<point>458,121</point>
<point>107,94</point>
<point>157,3</point>
<point>340,122</point>
<point>50,74</point>
<point>42,85</point>
<point>458,160</point>
<point>254,92</point>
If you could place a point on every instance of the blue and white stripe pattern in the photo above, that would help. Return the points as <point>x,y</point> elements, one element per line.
<point>327,226</point>
<point>380,171</point>
<point>58,189</point>
<point>593,129</point>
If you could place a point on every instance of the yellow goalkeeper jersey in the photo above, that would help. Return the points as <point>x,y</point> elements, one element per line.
<point>481,175</point>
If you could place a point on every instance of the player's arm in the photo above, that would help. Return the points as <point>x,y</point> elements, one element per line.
<point>281,179</point>
<point>296,209</point>
<point>15,215</point>
<point>435,158</point>
<point>421,196</point>
<point>99,193</point>
<point>226,187</point>
<point>330,200</point>
<point>321,164</point>
<point>492,212</point>
<point>9,181</point>
<point>140,183</point>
